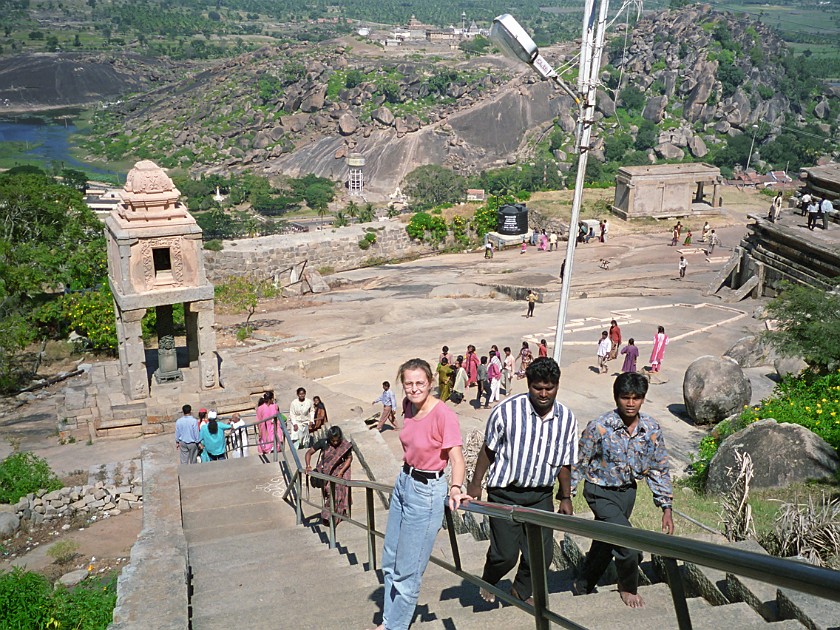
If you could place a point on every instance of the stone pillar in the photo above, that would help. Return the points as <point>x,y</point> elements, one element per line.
<point>133,354</point>
<point>715,198</point>
<point>208,364</point>
<point>191,322</point>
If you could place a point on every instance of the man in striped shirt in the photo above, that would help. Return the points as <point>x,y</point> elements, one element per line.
<point>530,440</point>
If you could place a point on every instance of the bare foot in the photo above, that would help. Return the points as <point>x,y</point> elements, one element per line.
<point>487,596</point>
<point>633,600</point>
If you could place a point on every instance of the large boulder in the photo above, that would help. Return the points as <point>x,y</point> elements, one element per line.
<point>9,524</point>
<point>669,151</point>
<point>702,90</point>
<point>383,115</point>
<point>347,124</point>
<point>787,366</point>
<point>697,147</point>
<point>782,454</point>
<point>605,104</point>
<point>655,109</point>
<point>714,388</point>
<point>314,99</point>
<point>751,352</point>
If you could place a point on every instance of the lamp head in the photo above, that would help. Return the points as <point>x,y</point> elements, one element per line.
<point>514,41</point>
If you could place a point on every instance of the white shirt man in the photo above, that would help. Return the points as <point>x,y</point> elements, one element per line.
<point>604,347</point>
<point>301,413</point>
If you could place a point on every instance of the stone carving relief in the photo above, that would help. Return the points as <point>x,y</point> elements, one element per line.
<point>209,376</point>
<point>174,245</point>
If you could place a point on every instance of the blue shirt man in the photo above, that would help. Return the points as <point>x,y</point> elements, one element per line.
<point>186,436</point>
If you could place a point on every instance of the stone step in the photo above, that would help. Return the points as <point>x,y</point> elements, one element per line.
<point>230,516</point>
<point>197,475</point>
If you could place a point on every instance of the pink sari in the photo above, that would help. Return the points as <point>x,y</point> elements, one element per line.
<point>266,429</point>
<point>543,243</point>
<point>656,356</point>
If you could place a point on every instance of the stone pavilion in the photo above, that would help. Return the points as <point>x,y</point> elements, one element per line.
<point>666,190</point>
<point>154,262</point>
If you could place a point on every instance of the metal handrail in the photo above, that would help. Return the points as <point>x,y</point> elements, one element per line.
<point>824,583</point>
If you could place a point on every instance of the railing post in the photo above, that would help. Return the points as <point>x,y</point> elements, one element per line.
<point>371,527</point>
<point>539,586</point>
<point>331,500</point>
<point>453,538</point>
<point>298,498</point>
<point>242,432</point>
<point>276,439</point>
<point>678,594</point>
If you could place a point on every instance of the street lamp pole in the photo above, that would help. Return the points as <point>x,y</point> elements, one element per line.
<point>509,35</point>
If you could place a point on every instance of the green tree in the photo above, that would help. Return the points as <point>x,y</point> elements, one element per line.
<point>808,325</point>
<point>243,293</point>
<point>431,185</point>
<point>632,98</point>
<point>647,136</point>
<point>75,179</point>
<point>49,241</point>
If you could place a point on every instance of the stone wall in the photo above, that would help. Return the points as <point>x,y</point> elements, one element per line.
<point>99,498</point>
<point>336,248</point>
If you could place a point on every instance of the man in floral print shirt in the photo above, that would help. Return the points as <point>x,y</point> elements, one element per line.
<point>615,450</point>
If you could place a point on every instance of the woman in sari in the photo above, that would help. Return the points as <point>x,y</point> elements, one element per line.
<point>445,374</point>
<point>266,408</point>
<point>336,457</point>
<point>543,246</point>
<point>660,340</point>
<point>525,358</point>
<point>471,365</point>
<point>318,426</point>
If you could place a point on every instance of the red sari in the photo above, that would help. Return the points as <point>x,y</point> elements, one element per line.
<point>471,366</point>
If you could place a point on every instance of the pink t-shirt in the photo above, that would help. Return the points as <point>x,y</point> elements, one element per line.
<point>425,441</point>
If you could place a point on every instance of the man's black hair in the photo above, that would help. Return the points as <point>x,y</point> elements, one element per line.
<point>630,383</point>
<point>186,409</point>
<point>543,370</point>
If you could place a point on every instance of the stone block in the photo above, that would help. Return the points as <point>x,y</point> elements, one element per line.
<point>109,506</point>
<point>123,505</point>
<point>99,493</point>
<point>96,504</point>
<point>320,367</point>
<point>78,505</point>
<point>128,496</point>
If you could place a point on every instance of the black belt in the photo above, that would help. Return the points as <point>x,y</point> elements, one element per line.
<point>423,476</point>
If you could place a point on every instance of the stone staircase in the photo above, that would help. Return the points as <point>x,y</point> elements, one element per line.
<point>251,566</point>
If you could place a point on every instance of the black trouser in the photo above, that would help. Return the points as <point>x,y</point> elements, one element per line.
<point>508,539</point>
<point>215,458</point>
<point>611,506</point>
<point>530,309</point>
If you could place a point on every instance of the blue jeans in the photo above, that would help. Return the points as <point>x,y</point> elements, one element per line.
<point>415,516</point>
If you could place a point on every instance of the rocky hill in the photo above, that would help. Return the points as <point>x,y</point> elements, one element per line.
<point>708,76</point>
<point>702,77</point>
<point>32,82</point>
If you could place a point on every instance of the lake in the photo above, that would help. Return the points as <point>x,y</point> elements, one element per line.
<point>47,140</point>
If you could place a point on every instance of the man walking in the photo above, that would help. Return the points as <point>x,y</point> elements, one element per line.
<point>615,450</point>
<point>301,414</point>
<point>825,211</point>
<point>713,240</point>
<point>532,300</point>
<point>604,347</point>
<point>186,436</point>
<point>682,266</point>
<point>530,441</point>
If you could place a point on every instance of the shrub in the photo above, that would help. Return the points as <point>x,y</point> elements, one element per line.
<point>24,599</point>
<point>213,245</point>
<point>63,551</point>
<point>25,472</point>
<point>364,243</point>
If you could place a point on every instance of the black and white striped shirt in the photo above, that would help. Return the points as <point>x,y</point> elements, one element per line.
<point>529,450</point>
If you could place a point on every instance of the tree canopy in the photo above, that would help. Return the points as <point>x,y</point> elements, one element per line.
<point>808,325</point>
<point>52,255</point>
<point>431,185</point>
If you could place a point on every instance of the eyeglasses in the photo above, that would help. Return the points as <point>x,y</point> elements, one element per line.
<point>415,386</point>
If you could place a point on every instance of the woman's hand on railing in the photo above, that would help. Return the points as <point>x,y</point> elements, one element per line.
<point>457,497</point>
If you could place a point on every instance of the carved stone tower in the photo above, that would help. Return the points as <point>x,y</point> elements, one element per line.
<point>155,261</point>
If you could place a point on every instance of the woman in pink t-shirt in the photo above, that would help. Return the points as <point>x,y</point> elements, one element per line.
<point>430,438</point>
